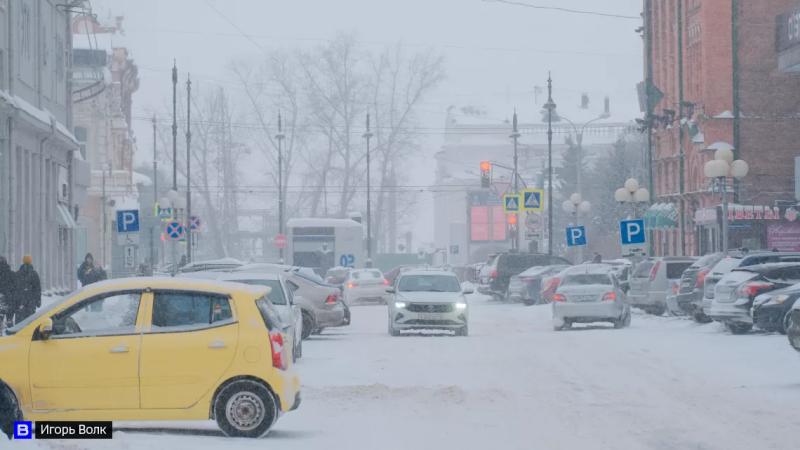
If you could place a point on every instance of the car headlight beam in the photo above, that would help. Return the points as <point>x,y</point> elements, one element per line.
<point>461,306</point>
<point>400,305</point>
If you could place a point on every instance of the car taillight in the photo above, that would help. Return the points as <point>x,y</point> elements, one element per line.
<point>701,278</point>
<point>385,282</point>
<point>610,297</point>
<point>654,270</point>
<point>332,299</point>
<point>675,288</point>
<point>276,344</point>
<point>753,288</point>
<point>351,285</point>
<point>559,298</point>
<point>493,274</point>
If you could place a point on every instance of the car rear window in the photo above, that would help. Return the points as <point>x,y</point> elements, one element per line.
<point>707,260</point>
<point>366,275</point>
<point>519,263</point>
<point>726,265</point>
<point>269,314</point>
<point>643,269</point>
<point>585,279</point>
<point>675,269</point>
<point>276,294</point>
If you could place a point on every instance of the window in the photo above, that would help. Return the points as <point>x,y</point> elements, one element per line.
<point>112,314</point>
<point>676,269</point>
<point>580,279</point>
<point>188,309</point>
<point>429,283</point>
<point>268,313</point>
<point>276,291</point>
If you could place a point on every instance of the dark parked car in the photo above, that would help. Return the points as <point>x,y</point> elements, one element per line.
<point>773,311</point>
<point>526,287</point>
<point>738,259</point>
<point>690,292</point>
<point>736,291</point>
<point>506,265</point>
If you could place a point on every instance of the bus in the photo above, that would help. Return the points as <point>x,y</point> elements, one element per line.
<point>324,243</point>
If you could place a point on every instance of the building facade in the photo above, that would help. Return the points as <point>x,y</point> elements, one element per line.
<point>105,79</point>
<point>720,82</point>
<point>42,176</point>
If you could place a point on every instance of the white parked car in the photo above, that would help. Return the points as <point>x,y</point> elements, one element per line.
<point>429,299</point>
<point>590,293</point>
<point>365,286</point>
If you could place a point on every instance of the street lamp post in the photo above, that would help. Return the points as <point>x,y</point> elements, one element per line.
<point>367,135</point>
<point>574,205</point>
<point>515,136</point>
<point>718,170</point>
<point>550,106</point>
<point>188,220</point>
<point>579,142</point>
<point>280,137</point>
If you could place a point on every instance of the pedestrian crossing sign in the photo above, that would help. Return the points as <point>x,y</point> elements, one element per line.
<point>532,199</point>
<point>511,203</point>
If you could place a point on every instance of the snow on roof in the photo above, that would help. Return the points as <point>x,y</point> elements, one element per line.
<point>720,145</point>
<point>699,138</point>
<point>321,222</point>
<point>140,178</point>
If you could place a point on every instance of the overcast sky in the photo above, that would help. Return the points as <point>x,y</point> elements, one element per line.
<point>495,53</point>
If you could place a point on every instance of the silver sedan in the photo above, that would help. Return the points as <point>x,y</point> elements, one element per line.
<point>590,293</point>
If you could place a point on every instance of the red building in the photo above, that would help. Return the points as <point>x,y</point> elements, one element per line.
<point>726,82</point>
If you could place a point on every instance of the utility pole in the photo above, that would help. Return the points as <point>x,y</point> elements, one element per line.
<point>367,136</point>
<point>550,106</point>
<point>681,134</point>
<point>175,126</point>
<point>105,218</point>
<point>188,169</point>
<point>155,198</point>
<point>649,88</point>
<point>515,135</point>
<point>280,137</point>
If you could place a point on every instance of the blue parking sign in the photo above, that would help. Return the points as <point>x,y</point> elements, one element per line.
<point>576,236</point>
<point>128,221</point>
<point>632,232</point>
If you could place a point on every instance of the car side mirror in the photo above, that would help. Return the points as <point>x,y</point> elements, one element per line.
<point>390,290</point>
<point>625,286</point>
<point>46,329</point>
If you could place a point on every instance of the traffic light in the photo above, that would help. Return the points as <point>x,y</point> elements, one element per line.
<point>486,169</point>
<point>512,219</point>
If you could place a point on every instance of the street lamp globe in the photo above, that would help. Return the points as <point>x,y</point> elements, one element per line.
<point>724,154</point>
<point>716,168</point>
<point>568,206</point>
<point>642,195</point>
<point>622,195</point>
<point>739,169</point>
<point>631,184</point>
<point>585,207</point>
<point>575,198</point>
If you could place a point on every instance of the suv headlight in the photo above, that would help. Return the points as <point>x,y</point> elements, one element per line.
<point>400,305</point>
<point>461,306</point>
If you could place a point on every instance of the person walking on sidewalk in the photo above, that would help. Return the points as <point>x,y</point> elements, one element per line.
<point>8,301</point>
<point>29,289</point>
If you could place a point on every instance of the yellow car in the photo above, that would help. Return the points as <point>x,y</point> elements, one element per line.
<point>152,349</point>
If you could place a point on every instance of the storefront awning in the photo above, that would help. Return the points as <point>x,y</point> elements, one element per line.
<point>661,216</point>
<point>64,217</point>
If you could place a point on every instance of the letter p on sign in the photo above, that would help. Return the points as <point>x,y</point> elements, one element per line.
<point>128,221</point>
<point>632,232</point>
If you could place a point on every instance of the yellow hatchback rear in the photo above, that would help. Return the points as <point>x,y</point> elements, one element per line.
<point>152,349</point>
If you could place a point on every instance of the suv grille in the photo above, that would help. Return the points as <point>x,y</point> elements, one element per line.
<point>430,308</point>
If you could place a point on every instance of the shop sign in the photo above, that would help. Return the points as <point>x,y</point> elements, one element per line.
<point>784,236</point>
<point>753,212</point>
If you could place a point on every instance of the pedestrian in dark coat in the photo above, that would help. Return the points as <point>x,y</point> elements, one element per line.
<point>29,289</point>
<point>8,303</point>
<point>88,273</point>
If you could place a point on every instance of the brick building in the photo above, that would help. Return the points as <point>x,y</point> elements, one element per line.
<point>716,62</point>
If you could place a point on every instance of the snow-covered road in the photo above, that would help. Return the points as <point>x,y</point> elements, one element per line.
<point>514,383</point>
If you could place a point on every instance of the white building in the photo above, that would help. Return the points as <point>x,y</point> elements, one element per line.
<point>42,176</point>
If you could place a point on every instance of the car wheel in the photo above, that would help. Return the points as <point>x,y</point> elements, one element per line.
<point>657,310</point>
<point>700,317</point>
<point>624,321</point>
<point>245,408</point>
<point>793,333</point>
<point>392,330</point>
<point>308,325</point>
<point>786,323</point>
<point>565,325</point>
<point>463,331</point>
<point>739,328</point>
<point>9,411</point>
<point>299,351</point>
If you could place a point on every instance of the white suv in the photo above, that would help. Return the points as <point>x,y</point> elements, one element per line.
<point>428,299</point>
